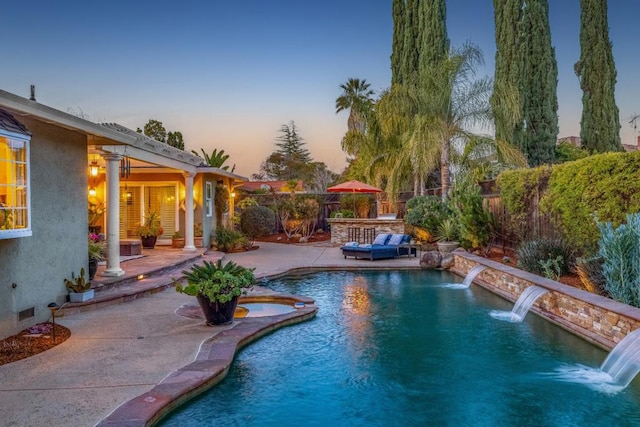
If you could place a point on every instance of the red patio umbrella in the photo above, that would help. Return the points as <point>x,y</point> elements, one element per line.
<point>353,186</point>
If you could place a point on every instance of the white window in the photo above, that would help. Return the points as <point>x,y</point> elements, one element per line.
<point>15,198</point>
<point>208,199</point>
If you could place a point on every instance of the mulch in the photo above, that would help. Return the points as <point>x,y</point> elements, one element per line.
<point>32,341</point>
<point>282,238</point>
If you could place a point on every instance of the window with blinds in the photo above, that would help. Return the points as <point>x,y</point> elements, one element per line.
<point>136,200</point>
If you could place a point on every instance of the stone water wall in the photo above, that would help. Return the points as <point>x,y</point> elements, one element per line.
<point>599,320</point>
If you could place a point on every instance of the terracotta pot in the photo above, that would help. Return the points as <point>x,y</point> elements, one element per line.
<point>178,242</point>
<point>217,313</point>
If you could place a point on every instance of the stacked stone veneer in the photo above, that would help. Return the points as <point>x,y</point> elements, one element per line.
<point>340,226</point>
<point>599,320</point>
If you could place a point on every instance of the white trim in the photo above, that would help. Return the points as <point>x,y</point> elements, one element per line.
<point>27,231</point>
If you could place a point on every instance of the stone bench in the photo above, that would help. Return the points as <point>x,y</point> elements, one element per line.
<point>130,247</point>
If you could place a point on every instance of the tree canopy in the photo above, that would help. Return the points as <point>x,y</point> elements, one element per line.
<point>155,129</point>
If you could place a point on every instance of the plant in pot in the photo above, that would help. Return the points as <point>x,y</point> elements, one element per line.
<point>177,241</point>
<point>96,254</point>
<point>197,234</point>
<point>150,229</point>
<point>447,235</point>
<point>79,288</point>
<point>217,287</point>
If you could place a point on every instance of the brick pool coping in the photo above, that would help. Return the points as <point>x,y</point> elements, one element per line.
<point>210,366</point>
<point>600,320</point>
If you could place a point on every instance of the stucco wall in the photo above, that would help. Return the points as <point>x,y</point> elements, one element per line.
<point>38,264</point>
<point>598,319</point>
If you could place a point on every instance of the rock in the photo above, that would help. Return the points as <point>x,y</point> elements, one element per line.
<point>447,261</point>
<point>279,238</point>
<point>506,260</point>
<point>303,240</point>
<point>430,259</point>
<point>296,236</point>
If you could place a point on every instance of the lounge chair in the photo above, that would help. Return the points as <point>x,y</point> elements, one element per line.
<point>384,246</point>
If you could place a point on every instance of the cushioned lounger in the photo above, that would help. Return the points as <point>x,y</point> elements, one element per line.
<point>384,246</point>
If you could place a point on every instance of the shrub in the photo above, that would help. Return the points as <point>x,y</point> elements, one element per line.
<point>550,252</point>
<point>361,203</point>
<point>226,239</point>
<point>426,212</point>
<point>342,213</point>
<point>620,251</point>
<point>474,222</point>
<point>298,214</point>
<point>257,221</point>
<point>591,274</point>
<point>604,185</point>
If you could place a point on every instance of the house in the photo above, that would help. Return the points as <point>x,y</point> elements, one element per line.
<point>53,167</point>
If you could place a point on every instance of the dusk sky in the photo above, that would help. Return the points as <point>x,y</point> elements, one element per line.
<point>228,74</point>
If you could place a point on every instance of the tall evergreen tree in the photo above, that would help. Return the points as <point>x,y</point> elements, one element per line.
<point>433,42</point>
<point>600,124</point>
<point>398,13</point>
<point>538,86</point>
<point>410,57</point>
<point>506,101</point>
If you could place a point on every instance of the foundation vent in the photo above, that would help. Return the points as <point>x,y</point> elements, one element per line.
<point>26,314</point>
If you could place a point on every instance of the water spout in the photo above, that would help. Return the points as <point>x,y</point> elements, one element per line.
<point>472,274</point>
<point>522,306</point>
<point>623,363</point>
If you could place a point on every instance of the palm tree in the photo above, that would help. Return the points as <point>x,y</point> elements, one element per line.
<point>357,98</point>
<point>216,159</point>
<point>443,112</point>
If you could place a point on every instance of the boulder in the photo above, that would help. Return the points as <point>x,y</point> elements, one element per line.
<point>430,259</point>
<point>447,261</point>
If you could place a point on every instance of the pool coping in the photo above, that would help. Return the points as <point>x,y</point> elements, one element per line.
<point>210,366</point>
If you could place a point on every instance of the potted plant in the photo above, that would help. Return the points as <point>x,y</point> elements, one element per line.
<point>177,241</point>
<point>150,229</point>
<point>197,234</point>
<point>95,213</point>
<point>217,288</point>
<point>79,288</point>
<point>447,235</point>
<point>96,254</point>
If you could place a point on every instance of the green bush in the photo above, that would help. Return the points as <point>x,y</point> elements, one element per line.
<point>226,239</point>
<point>342,213</point>
<point>520,193</point>
<point>257,221</point>
<point>426,212</point>
<point>620,252</point>
<point>543,256</point>
<point>603,187</point>
<point>474,221</point>
<point>360,202</point>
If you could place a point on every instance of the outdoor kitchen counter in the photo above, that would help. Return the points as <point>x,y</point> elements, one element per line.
<point>359,230</point>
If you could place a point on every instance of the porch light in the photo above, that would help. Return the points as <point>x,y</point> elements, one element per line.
<point>92,191</point>
<point>233,194</point>
<point>94,168</point>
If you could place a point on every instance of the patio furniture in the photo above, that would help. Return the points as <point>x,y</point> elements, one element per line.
<point>383,247</point>
<point>353,234</point>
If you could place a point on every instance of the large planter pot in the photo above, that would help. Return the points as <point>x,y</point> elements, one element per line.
<point>93,268</point>
<point>217,313</point>
<point>446,247</point>
<point>81,296</point>
<point>198,241</point>
<point>149,242</point>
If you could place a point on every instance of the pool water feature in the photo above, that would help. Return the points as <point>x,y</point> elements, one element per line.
<point>522,306</point>
<point>396,348</point>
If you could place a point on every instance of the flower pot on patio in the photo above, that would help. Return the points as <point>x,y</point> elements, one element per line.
<point>81,296</point>
<point>178,242</point>
<point>446,247</point>
<point>148,242</point>
<point>217,313</point>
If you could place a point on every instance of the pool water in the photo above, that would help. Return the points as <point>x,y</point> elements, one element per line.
<point>401,349</point>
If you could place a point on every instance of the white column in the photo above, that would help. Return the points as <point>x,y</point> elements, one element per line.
<point>113,215</point>
<point>188,217</point>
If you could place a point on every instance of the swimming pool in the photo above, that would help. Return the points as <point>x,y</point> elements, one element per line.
<point>398,348</point>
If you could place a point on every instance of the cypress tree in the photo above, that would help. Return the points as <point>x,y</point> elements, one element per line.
<point>600,123</point>
<point>433,43</point>
<point>409,73</point>
<point>538,85</point>
<point>506,101</point>
<point>398,13</point>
